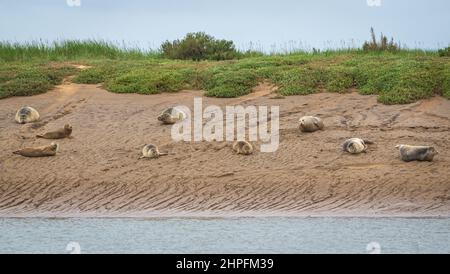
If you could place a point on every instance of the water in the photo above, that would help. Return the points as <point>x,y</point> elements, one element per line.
<point>228,235</point>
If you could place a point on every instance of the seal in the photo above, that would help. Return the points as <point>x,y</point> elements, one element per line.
<point>417,153</point>
<point>57,134</point>
<point>355,145</point>
<point>310,124</point>
<point>243,147</point>
<point>151,151</point>
<point>172,115</point>
<point>42,151</point>
<point>27,115</point>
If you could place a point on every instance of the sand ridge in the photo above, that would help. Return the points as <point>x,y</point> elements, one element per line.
<point>97,172</point>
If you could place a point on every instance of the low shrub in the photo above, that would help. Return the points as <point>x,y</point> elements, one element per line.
<point>199,46</point>
<point>230,83</point>
<point>445,52</point>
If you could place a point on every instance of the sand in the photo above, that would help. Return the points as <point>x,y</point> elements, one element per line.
<point>97,173</point>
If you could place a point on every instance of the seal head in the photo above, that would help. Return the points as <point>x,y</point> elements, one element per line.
<point>26,115</point>
<point>310,124</point>
<point>243,147</point>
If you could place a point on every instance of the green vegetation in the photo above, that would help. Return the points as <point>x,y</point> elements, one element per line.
<point>446,81</point>
<point>69,50</point>
<point>397,76</point>
<point>149,82</point>
<point>230,83</point>
<point>25,79</point>
<point>199,46</point>
<point>444,52</point>
<point>383,45</point>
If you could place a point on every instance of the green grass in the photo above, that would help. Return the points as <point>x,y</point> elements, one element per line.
<point>397,78</point>
<point>297,80</point>
<point>18,79</point>
<point>231,83</point>
<point>149,81</point>
<point>446,81</point>
<point>70,50</point>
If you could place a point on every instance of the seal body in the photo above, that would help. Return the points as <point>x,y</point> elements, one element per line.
<point>27,115</point>
<point>417,153</point>
<point>355,145</point>
<point>42,151</point>
<point>172,115</point>
<point>151,151</point>
<point>58,134</point>
<point>310,124</point>
<point>243,147</point>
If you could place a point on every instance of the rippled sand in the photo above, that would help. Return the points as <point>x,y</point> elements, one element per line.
<point>97,173</point>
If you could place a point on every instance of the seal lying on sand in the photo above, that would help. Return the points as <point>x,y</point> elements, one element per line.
<point>417,153</point>
<point>27,115</point>
<point>355,145</point>
<point>58,134</point>
<point>243,147</point>
<point>172,115</point>
<point>310,124</point>
<point>151,151</point>
<point>42,151</point>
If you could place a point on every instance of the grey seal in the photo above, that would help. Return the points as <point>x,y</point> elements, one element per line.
<point>27,115</point>
<point>310,124</point>
<point>417,153</point>
<point>57,134</point>
<point>41,151</point>
<point>151,151</point>
<point>243,147</point>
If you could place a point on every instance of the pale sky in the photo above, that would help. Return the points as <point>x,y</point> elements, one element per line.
<point>313,23</point>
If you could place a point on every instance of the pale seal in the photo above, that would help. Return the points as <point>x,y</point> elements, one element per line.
<point>310,124</point>
<point>355,145</point>
<point>172,115</point>
<point>151,151</point>
<point>243,147</point>
<point>42,151</point>
<point>57,134</point>
<point>417,153</point>
<point>27,115</point>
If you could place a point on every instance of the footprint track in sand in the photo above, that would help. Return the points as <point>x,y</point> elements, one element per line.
<point>66,109</point>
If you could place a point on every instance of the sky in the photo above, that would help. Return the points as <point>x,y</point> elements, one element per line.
<point>252,24</point>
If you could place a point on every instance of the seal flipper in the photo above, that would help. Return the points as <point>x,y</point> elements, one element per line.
<point>317,124</point>
<point>368,142</point>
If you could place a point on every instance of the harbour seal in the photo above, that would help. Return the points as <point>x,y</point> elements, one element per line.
<point>243,147</point>
<point>417,153</point>
<point>27,115</point>
<point>57,134</point>
<point>151,151</point>
<point>355,145</point>
<point>310,124</point>
<point>172,115</point>
<point>42,151</point>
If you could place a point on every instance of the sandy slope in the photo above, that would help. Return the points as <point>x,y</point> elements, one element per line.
<point>97,172</point>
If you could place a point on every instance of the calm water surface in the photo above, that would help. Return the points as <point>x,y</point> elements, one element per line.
<point>229,235</point>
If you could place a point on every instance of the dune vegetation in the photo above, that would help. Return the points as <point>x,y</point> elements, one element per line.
<point>199,61</point>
